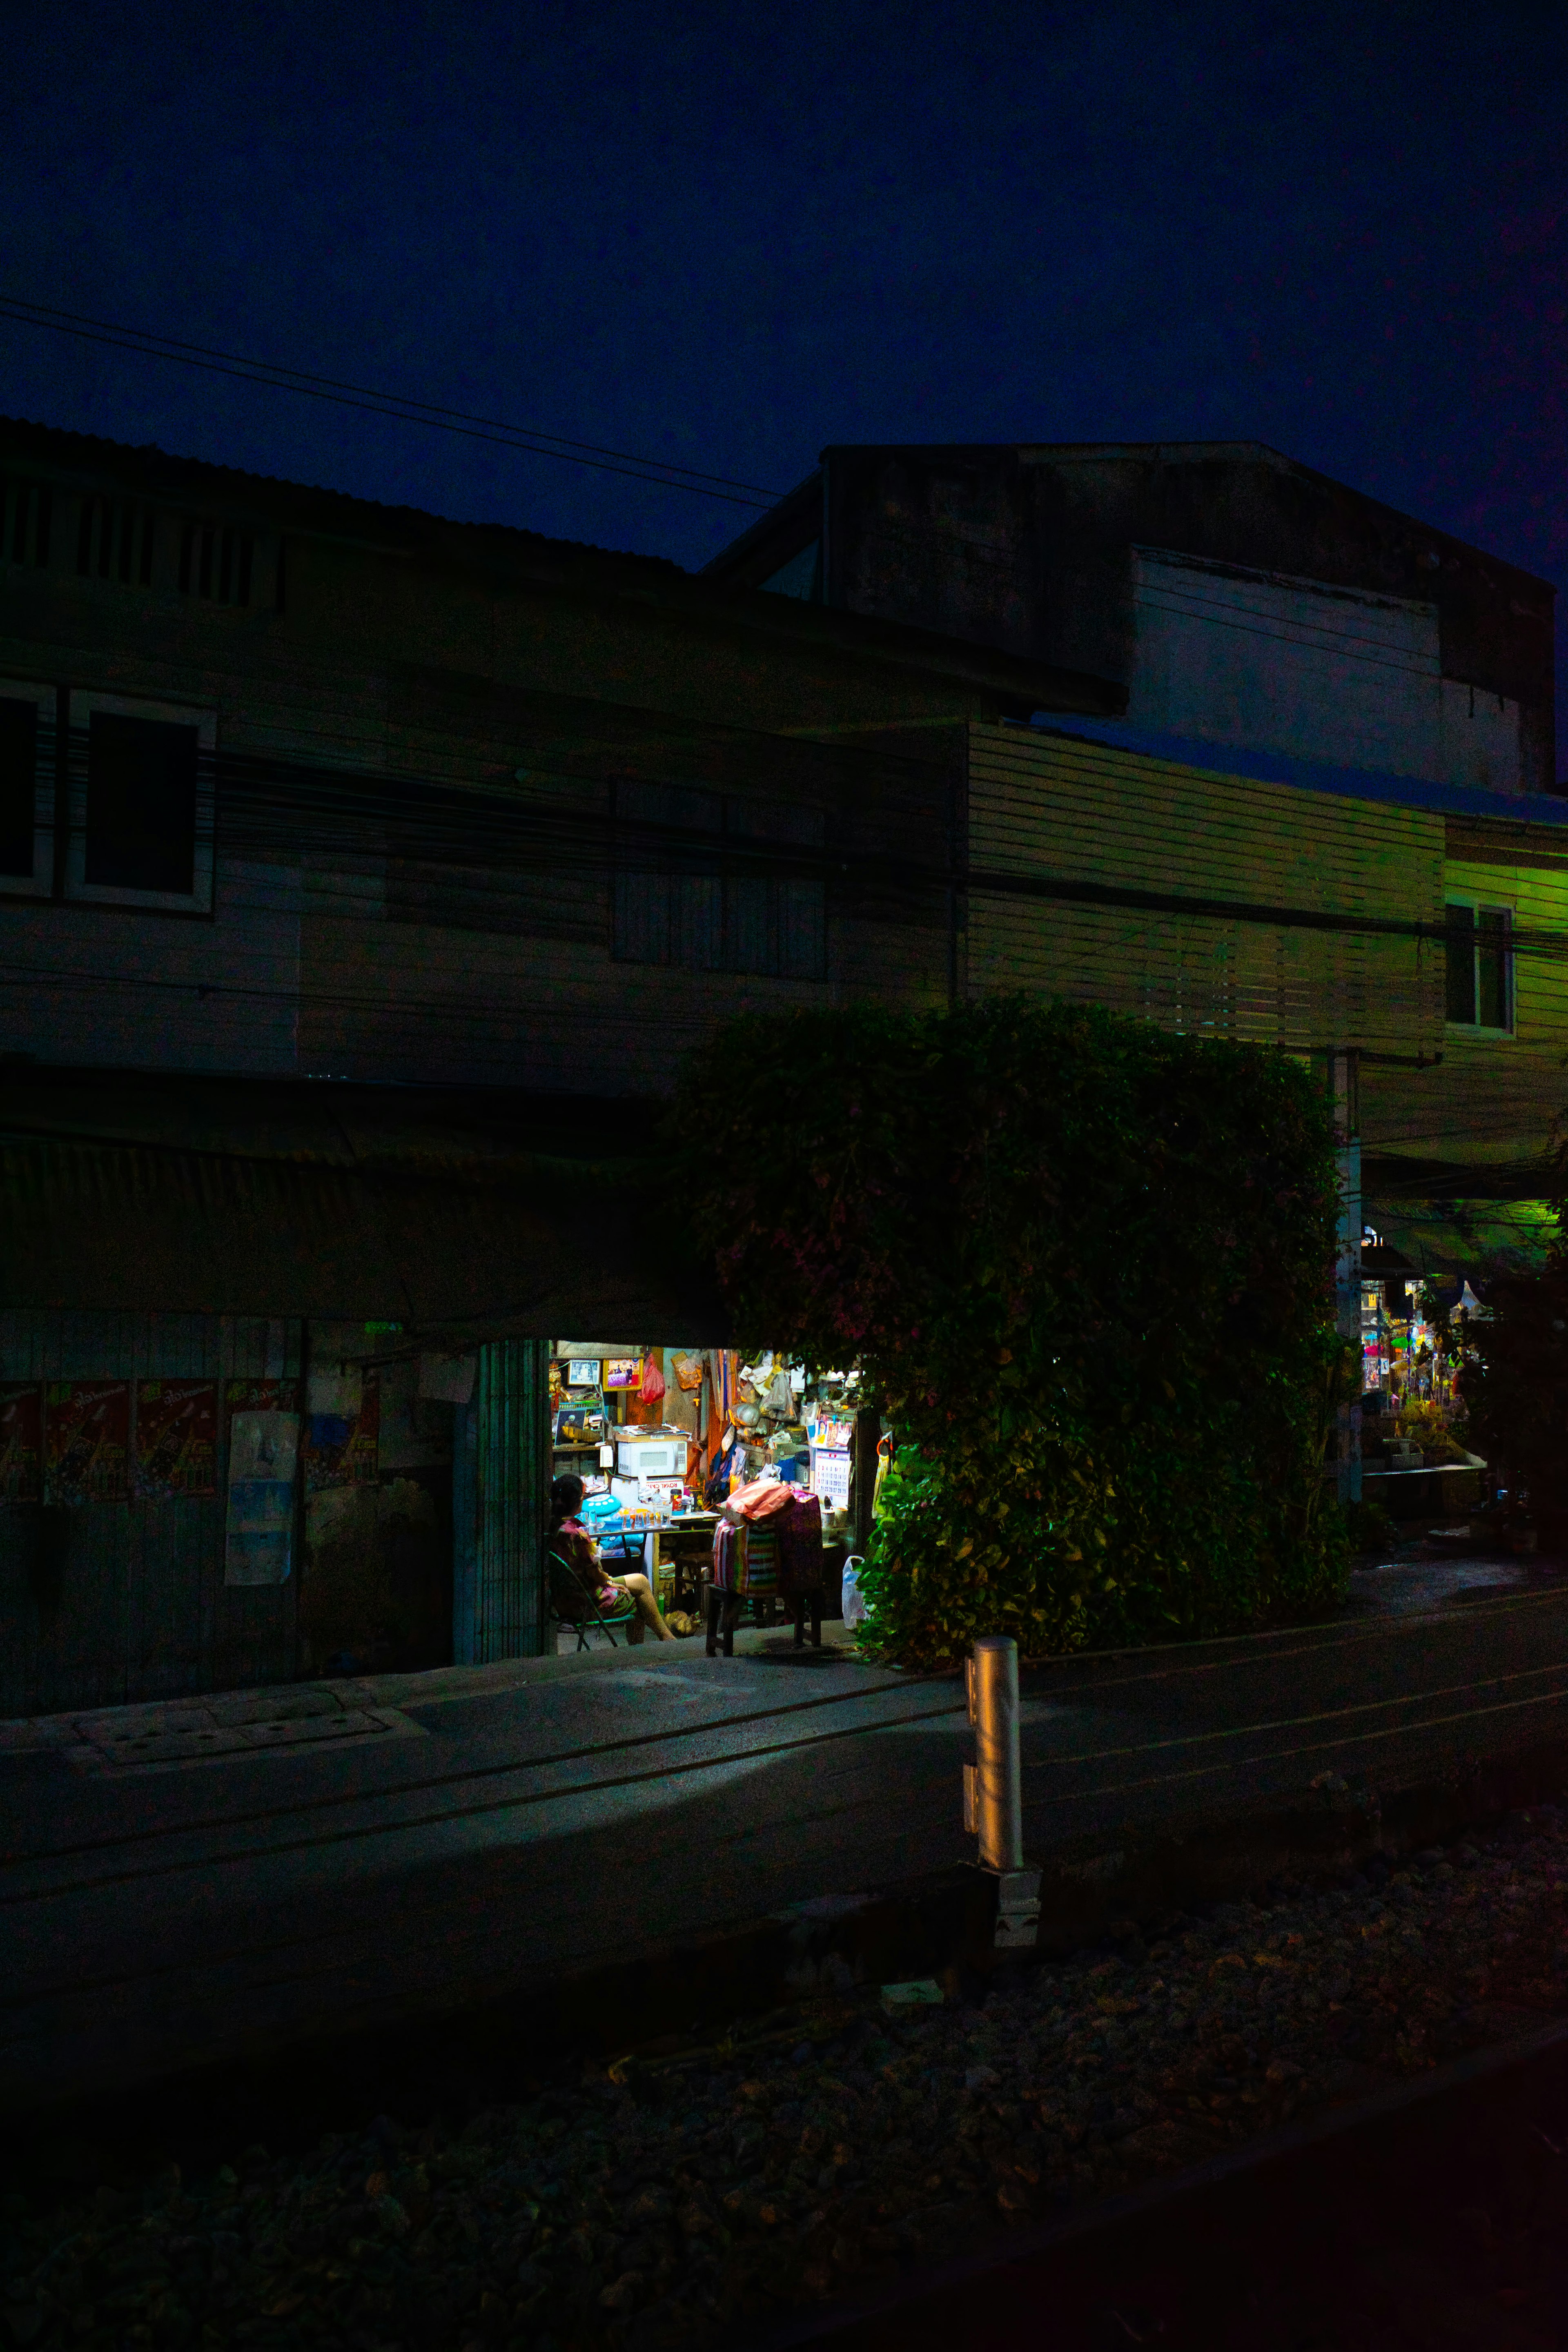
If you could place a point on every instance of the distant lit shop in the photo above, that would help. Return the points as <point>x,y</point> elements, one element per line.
<point>1413,1462</point>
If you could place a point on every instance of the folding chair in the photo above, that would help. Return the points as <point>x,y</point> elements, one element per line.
<point>586,1610</point>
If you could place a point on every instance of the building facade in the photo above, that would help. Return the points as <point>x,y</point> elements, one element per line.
<point>365,877</point>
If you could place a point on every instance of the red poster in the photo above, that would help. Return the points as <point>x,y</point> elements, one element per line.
<point>87,1439</point>
<point>21,1443</point>
<point>176,1437</point>
<point>343,1449</point>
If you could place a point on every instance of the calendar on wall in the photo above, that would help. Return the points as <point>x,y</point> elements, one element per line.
<point>831,1477</point>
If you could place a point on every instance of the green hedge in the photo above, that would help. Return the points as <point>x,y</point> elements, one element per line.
<point>1086,1265</point>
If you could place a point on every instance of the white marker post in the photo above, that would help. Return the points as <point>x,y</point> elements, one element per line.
<point>993,1789</point>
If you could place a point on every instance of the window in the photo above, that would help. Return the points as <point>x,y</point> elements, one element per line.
<point>706,882</point>
<point>26,789</point>
<point>26,511</point>
<point>1480,965</point>
<point>141,804</point>
<point>115,541</point>
<point>216,562</point>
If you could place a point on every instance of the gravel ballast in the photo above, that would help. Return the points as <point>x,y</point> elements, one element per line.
<point>685,2197</point>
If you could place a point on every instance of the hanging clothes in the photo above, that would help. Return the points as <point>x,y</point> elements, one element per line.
<point>779,1551</point>
<point>745,1558</point>
<point>800,1545</point>
<point>720,1420</point>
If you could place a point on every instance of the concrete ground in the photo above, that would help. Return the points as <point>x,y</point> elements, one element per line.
<point>209,1878</point>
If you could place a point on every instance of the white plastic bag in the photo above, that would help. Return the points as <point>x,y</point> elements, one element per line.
<point>853,1599</point>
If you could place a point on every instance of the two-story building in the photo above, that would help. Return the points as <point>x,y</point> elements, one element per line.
<point>1328,813</point>
<point>364,877</point>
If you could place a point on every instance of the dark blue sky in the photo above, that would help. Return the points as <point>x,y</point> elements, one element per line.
<point>729,236</point>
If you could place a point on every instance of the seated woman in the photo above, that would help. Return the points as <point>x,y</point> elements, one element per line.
<point>577,1574</point>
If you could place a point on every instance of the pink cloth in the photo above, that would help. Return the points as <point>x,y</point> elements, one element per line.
<point>761,1500</point>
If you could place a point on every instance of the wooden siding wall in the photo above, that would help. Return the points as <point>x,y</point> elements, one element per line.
<point>133,1606</point>
<point>1049,806</point>
<point>352,958</point>
<point>1496,1098</point>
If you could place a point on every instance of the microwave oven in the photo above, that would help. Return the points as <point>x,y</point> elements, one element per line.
<point>651,1457</point>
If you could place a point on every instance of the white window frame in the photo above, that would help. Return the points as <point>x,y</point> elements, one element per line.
<point>1479,904</point>
<point>198,900</point>
<point>40,884</point>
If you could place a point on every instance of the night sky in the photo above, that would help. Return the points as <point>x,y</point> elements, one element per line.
<point>729,236</point>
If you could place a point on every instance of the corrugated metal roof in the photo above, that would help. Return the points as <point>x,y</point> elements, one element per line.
<point>1307,775</point>
<point>478,1215</point>
<point>342,509</point>
<point>120,1228</point>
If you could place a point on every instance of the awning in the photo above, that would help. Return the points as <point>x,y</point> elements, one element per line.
<point>1448,1242</point>
<point>466,1217</point>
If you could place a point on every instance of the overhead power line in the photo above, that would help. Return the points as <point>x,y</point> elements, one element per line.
<point>376,402</point>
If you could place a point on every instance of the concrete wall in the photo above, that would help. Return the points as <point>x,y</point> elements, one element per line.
<point>1335,675</point>
<point>1031,549</point>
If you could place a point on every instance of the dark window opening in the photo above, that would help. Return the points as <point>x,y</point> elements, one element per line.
<point>141,804</point>
<point>1461,946</point>
<point>1479,966</point>
<point>114,540</point>
<point>1493,975</point>
<point>26,512</point>
<point>19,770</point>
<point>710,882</point>
<point>216,563</point>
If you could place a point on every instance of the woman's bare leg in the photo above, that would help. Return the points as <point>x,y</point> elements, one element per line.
<point>641,1592</point>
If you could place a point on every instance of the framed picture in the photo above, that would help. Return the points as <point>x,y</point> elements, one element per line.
<point>623,1372</point>
<point>583,1373</point>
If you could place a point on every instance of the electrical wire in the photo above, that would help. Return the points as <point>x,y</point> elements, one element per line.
<point>1431,673</point>
<point>367,398</point>
<point>271,803</point>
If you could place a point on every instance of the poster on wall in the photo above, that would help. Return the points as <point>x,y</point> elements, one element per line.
<point>263,1455</point>
<point>87,1441</point>
<point>262,1396</point>
<point>176,1438</point>
<point>21,1443</point>
<point>342,1430</point>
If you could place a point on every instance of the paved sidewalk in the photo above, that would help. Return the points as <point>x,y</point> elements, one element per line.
<point>236,1872</point>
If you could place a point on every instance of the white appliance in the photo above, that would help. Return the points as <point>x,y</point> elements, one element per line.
<point>651,1457</point>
